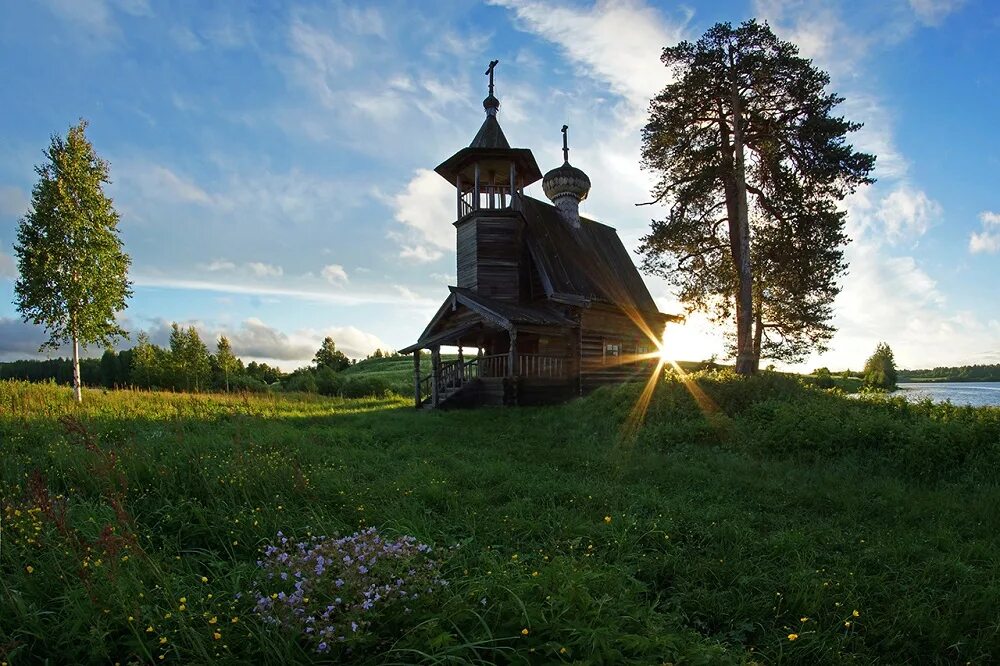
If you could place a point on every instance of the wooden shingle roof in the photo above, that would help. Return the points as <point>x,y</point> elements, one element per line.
<point>585,263</point>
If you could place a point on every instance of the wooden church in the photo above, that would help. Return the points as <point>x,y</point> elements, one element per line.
<point>548,304</point>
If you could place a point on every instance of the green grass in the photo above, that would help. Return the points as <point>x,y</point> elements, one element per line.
<point>704,537</point>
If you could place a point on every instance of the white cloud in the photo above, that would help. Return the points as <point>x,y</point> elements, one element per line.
<point>91,19</point>
<point>261,269</point>
<point>426,208</point>
<point>932,12</point>
<point>618,42</point>
<point>254,268</point>
<point>420,254</point>
<point>356,296</point>
<point>407,293</point>
<point>334,274</point>
<point>988,240</point>
<point>220,265</point>
<point>158,183</point>
<point>907,213</point>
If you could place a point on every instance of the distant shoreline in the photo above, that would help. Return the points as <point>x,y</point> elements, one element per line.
<point>946,380</point>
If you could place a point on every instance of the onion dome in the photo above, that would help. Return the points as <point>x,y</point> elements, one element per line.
<point>491,104</point>
<point>566,180</point>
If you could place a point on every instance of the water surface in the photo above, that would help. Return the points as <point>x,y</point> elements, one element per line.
<point>977,394</point>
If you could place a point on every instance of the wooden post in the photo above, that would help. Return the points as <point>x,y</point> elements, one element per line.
<point>513,183</point>
<point>458,189</point>
<point>461,365</point>
<point>435,374</point>
<point>475,204</point>
<point>512,354</point>
<point>416,379</point>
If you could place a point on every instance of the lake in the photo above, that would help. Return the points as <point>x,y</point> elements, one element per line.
<point>977,394</point>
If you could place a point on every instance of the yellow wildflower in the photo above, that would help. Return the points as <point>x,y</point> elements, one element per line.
<point>29,569</point>
<point>792,637</point>
<point>524,632</point>
<point>163,639</point>
<point>204,579</point>
<point>213,620</point>
<point>607,520</point>
<point>534,574</point>
<point>216,635</point>
<point>856,614</point>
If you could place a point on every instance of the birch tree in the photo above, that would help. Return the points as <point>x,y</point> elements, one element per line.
<point>73,270</point>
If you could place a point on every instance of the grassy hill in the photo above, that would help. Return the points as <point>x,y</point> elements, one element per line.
<point>766,522</point>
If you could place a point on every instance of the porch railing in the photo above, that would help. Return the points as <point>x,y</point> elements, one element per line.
<point>452,375</point>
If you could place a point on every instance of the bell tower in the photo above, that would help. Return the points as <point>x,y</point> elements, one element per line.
<point>488,177</point>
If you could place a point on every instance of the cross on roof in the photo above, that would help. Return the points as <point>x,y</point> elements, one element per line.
<point>489,71</point>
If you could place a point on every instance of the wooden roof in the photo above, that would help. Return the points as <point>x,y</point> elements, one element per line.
<point>578,265</point>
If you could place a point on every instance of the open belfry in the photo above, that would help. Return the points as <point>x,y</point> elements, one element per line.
<point>548,303</point>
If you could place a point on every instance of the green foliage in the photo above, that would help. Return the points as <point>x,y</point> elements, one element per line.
<point>965,373</point>
<point>798,167</point>
<point>330,357</point>
<point>73,272</point>
<point>226,361</point>
<point>190,364</point>
<point>707,535</point>
<point>880,369</point>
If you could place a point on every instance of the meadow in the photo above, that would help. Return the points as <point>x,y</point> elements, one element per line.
<point>766,522</point>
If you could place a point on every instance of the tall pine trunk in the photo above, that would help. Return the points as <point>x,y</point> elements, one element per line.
<point>744,296</point>
<point>77,392</point>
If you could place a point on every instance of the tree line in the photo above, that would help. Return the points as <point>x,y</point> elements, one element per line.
<point>186,364</point>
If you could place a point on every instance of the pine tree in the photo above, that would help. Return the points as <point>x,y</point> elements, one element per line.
<point>751,163</point>
<point>73,270</point>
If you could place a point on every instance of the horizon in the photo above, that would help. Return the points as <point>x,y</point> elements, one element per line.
<point>274,169</point>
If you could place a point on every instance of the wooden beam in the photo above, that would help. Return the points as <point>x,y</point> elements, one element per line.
<point>512,353</point>
<point>436,374</point>
<point>416,378</point>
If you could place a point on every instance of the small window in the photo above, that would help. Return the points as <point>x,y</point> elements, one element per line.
<point>612,350</point>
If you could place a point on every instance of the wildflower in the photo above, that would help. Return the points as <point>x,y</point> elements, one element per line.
<point>792,637</point>
<point>534,574</point>
<point>856,614</point>
<point>130,618</point>
<point>183,600</point>
<point>607,520</point>
<point>29,569</point>
<point>847,624</point>
<point>562,650</point>
<point>163,639</point>
<point>803,619</point>
<point>213,620</point>
<point>524,632</point>
<point>216,635</point>
<point>150,629</point>
<point>182,607</point>
<point>235,620</point>
<point>204,579</point>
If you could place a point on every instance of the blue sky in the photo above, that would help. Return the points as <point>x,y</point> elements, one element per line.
<point>272,162</point>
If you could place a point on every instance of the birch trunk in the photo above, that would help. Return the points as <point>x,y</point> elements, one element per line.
<point>77,392</point>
